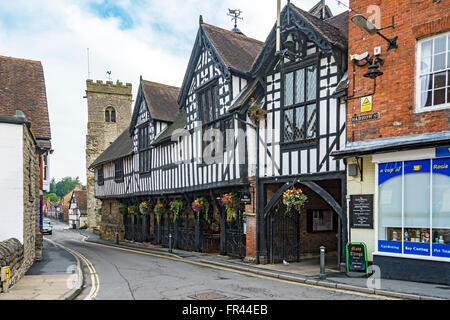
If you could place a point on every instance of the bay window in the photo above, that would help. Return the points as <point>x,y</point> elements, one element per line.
<point>300,95</point>
<point>144,149</point>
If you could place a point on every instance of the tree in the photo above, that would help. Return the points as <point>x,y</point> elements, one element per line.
<point>52,196</point>
<point>65,185</point>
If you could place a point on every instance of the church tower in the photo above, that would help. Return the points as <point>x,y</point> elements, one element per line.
<point>109,114</point>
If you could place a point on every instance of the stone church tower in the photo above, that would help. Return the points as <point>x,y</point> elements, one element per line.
<point>109,114</point>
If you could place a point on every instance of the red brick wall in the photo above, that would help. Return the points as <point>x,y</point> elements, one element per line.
<point>395,89</point>
<point>250,215</point>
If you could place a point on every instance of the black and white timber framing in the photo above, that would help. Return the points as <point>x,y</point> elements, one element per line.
<point>303,125</point>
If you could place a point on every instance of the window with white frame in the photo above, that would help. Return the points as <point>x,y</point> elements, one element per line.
<point>433,82</point>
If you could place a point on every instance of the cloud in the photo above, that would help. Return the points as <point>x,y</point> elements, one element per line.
<point>128,37</point>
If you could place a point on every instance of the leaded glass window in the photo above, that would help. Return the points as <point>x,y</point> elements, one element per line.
<point>209,104</point>
<point>300,95</point>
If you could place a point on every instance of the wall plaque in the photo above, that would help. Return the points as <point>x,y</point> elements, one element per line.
<point>366,117</point>
<point>361,211</point>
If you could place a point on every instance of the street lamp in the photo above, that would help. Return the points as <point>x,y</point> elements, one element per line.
<point>364,24</point>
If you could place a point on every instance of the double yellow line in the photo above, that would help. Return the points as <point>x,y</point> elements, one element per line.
<point>95,282</point>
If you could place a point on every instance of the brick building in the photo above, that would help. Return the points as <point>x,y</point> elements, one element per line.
<point>398,137</point>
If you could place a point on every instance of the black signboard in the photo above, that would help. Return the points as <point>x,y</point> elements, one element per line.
<point>366,117</point>
<point>246,198</point>
<point>356,253</point>
<point>361,211</point>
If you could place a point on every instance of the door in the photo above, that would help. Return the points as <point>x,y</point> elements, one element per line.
<point>283,230</point>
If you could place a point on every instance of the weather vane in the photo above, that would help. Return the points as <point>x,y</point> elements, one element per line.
<point>235,15</point>
<point>109,74</point>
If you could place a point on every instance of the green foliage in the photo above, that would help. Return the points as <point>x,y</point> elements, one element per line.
<point>52,196</point>
<point>83,227</point>
<point>177,206</point>
<point>64,186</point>
<point>123,208</point>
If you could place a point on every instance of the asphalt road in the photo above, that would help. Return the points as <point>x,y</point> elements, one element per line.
<point>112,273</point>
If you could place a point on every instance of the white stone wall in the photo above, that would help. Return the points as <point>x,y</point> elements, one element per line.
<point>11,182</point>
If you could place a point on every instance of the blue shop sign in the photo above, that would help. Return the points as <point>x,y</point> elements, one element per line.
<point>441,166</point>
<point>443,152</point>
<point>388,170</point>
<point>390,246</point>
<point>417,248</point>
<point>441,250</point>
<point>417,166</point>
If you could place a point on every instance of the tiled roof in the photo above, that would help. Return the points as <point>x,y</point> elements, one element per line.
<point>340,22</point>
<point>324,27</point>
<point>22,87</point>
<point>236,50</point>
<point>81,199</point>
<point>121,147</point>
<point>161,100</point>
<point>179,123</point>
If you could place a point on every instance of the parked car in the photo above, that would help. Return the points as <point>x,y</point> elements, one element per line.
<point>47,220</point>
<point>47,228</point>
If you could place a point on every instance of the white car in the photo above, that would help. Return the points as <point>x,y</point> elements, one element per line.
<point>47,229</point>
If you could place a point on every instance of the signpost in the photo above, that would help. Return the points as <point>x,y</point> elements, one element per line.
<point>356,253</point>
<point>361,211</point>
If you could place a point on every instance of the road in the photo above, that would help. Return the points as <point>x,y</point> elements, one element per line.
<point>117,274</point>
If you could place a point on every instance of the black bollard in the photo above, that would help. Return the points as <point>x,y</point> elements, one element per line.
<point>170,242</point>
<point>322,263</point>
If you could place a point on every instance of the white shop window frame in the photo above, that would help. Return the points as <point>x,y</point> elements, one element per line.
<point>418,55</point>
<point>423,154</point>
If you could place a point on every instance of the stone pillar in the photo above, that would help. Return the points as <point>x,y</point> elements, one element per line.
<point>111,221</point>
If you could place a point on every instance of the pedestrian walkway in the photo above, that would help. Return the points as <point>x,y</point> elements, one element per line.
<point>302,272</point>
<point>56,277</point>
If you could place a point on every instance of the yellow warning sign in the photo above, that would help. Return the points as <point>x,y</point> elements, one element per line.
<point>366,103</point>
<point>5,273</point>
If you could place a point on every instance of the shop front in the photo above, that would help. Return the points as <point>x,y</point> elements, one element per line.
<point>412,215</point>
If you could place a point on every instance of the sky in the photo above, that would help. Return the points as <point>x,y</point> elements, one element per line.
<point>130,38</point>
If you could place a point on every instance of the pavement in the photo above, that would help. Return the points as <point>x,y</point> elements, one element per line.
<point>57,276</point>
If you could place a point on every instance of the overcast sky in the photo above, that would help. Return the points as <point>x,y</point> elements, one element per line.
<point>130,38</point>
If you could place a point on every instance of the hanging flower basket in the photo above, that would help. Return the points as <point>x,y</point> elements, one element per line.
<point>200,204</point>
<point>133,209</point>
<point>160,209</point>
<point>232,204</point>
<point>177,206</point>
<point>294,198</point>
<point>145,207</point>
<point>256,114</point>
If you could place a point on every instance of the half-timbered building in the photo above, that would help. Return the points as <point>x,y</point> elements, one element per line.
<point>249,120</point>
<point>305,121</point>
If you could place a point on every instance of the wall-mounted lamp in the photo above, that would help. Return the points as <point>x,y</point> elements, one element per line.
<point>373,68</point>
<point>364,24</point>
